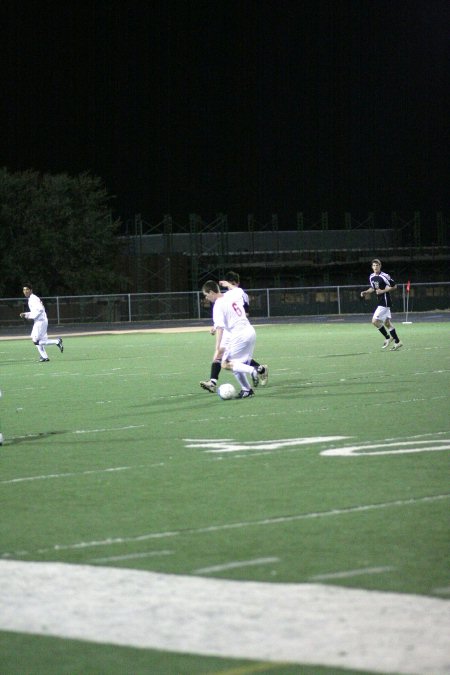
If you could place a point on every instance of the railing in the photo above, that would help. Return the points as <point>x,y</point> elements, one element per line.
<point>189,306</point>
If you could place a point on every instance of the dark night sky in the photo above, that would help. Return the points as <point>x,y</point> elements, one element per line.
<point>238,106</point>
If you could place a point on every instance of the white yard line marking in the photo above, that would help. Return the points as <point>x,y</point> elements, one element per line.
<point>233,526</point>
<point>295,623</point>
<point>208,440</point>
<point>97,431</point>
<point>396,448</point>
<point>212,446</point>
<point>389,446</point>
<point>400,438</point>
<point>351,573</point>
<point>80,473</point>
<point>131,556</point>
<point>236,565</point>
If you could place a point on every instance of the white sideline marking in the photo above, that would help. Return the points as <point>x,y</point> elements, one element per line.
<point>351,573</point>
<point>236,564</point>
<point>132,556</point>
<point>231,526</point>
<point>295,623</point>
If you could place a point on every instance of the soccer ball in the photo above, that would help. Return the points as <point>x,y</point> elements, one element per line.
<point>226,391</point>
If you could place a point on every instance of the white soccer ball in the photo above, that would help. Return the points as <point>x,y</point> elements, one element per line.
<point>226,391</point>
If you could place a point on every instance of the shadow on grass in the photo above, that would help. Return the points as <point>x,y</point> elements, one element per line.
<point>16,440</point>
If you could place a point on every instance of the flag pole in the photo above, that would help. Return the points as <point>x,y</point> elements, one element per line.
<point>408,286</point>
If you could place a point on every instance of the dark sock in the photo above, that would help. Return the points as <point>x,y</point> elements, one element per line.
<point>393,332</point>
<point>254,363</point>
<point>384,332</point>
<point>215,370</point>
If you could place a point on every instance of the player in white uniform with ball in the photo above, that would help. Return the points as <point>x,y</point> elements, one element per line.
<point>229,315</point>
<point>231,282</point>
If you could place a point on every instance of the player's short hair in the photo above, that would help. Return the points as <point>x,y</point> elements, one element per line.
<point>376,260</point>
<point>27,285</point>
<point>232,277</point>
<point>210,286</point>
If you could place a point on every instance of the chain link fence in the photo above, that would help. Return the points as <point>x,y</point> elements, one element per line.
<point>190,306</point>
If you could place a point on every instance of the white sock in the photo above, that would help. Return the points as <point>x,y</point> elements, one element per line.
<point>242,379</point>
<point>42,352</point>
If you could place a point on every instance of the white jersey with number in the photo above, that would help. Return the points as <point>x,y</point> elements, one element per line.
<point>229,314</point>
<point>240,295</point>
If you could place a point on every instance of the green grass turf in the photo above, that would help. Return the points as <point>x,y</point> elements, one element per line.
<point>95,450</point>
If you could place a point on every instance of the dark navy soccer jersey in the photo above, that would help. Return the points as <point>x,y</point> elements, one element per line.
<point>382,280</point>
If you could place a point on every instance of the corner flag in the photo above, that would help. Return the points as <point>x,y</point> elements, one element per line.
<point>407,288</point>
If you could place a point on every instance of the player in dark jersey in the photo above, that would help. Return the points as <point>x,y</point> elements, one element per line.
<point>382,284</point>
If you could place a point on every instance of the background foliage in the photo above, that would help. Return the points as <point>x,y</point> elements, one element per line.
<point>57,232</point>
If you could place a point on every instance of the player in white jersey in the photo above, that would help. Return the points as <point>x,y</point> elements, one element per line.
<point>216,364</point>
<point>229,315</point>
<point>38,315</point>
<point>231,282</point>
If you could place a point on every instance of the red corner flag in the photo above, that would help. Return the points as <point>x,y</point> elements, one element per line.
<point>408,286</point>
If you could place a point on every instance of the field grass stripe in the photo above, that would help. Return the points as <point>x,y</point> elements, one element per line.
<point>231,526</point>
<point>97,431</point>
<point>351,573</point>
<point>131,556</point>
<point>77,473</point>
<point>236,565</point>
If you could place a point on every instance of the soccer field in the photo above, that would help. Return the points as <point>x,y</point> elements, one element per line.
<point>150,527</point>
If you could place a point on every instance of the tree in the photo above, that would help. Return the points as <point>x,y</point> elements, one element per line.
<point>57,232</point>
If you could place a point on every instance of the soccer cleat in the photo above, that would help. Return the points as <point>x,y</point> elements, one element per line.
<point>396,346</point>
<point>60,345</point>
<point>42,360</point>
<point>209,385</point>
<point>255,378</point>
<point>387,342</point>
<point>246,393</point>
<point>263,375</point>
